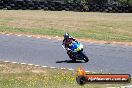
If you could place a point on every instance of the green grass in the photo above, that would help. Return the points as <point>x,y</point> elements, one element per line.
<point>98,26</point>
<point>32,80</point>
<point>23,76</point>
<point>83,34</point>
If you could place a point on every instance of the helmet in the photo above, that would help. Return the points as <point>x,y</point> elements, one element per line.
<point>66,36</point>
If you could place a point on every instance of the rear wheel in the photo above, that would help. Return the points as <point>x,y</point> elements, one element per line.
<point>85,58</point>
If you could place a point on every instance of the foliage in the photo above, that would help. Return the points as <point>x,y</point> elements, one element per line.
<point>99,1</point>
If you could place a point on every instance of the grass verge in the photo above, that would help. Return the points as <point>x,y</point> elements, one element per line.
<point>98,26</point>
<point>55,32</point>
<point>24,76</point>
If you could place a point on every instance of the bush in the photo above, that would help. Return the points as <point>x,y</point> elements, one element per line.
<point>129,2</point>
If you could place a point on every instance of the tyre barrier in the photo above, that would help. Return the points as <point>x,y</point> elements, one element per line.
<point>58,6</point>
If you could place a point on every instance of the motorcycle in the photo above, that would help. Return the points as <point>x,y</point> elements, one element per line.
<point>75,52</point>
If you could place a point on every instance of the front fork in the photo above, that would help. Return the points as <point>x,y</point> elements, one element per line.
<point>71,55</point>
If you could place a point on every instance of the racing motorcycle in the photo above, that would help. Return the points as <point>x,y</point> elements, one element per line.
<point>75,52</point>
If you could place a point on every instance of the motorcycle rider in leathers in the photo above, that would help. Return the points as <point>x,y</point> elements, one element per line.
<point>68,40</point>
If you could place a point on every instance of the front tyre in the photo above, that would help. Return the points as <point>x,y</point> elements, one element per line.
<point>71,56</point>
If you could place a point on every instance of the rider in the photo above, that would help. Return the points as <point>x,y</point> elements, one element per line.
<point>70,44</point>
<point>67,41</point>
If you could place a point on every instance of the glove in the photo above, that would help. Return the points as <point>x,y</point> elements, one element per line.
<point>68,49</point>
<point>63,46</point>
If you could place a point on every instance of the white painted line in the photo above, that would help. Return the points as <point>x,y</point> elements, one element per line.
<point>19,35</point>
<point>23,63</point>
<point>44,66</point>
<point>37,65</point>
<point>30,64</point>
<point>7,34</point>
<point>7,61</point>
<point>87,71</point>
<point>29,36</point>
<point>71,69</point>
<point>14,62</point>
<point>53,67</point>
<point>62,68</point>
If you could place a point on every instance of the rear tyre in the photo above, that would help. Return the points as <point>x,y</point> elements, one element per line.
<point>85,58</point>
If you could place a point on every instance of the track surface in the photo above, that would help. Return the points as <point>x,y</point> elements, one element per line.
<point>106,58</point>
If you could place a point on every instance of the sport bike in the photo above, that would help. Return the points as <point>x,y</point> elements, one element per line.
<point>75,52</point>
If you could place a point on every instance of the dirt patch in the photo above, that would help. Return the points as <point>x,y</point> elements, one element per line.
<point>107,42</point>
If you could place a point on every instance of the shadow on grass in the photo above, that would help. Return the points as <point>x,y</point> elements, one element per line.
<point>70,61</point>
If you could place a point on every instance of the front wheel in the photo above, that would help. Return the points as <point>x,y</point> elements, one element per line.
<point>84,57</point>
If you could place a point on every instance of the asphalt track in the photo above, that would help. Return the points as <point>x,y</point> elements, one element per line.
<point>103,57</point>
